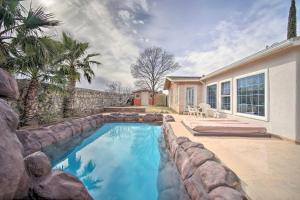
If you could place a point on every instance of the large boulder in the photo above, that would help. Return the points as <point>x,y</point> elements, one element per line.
<point>149,117</point>
<point>188,144</point>
<point>8,117</point>
<point>8,85</point>
<point>169,118</point>
<point>213,174</point>
<point>132,117</point>
<point>183,163</point>
<point>195,189</point>
<point>37,164</point>
<point>44,136</point>
<point>29,142</point>
<point>59,185</point>
<point>61,132</point>
<point>200,156</point>
<point>225,193</point>
<point>12,170</point>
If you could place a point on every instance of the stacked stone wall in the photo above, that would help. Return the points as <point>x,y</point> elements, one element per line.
<point>50,101</point>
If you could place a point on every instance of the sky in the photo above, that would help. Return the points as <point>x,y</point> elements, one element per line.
<point>203,35</point>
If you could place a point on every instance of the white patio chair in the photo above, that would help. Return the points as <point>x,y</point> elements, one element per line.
<point>204,109</point>
<point>192,110</point>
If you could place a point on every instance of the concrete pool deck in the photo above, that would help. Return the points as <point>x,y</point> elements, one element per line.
<point>269,168</point>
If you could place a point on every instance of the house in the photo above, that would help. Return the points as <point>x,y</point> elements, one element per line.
<point>183,92</point>
<point>143,97</point>
<point>263,88</point>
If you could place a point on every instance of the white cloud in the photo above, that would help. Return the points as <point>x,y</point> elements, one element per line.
<point>124,14</point>
<point>96,25</point>
<point>233,41</point>
<point>202,41</point>
<point>138,22</point>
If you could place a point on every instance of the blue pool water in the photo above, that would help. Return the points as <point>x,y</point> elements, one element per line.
<point>119,161</point>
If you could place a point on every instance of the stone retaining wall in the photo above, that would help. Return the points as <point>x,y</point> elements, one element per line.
<point>203,175</point>
<point>38,139</point>
<point>50,102</point>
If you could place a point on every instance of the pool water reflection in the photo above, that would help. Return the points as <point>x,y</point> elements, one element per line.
<point>118,161</point>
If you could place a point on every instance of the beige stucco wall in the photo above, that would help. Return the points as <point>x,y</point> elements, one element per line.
<point>298,101</point>
<point>173,104</point>
<point>179,90</point>
<point>283,91</point>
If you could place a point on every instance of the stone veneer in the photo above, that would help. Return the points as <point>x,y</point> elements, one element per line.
<point>204,177</point>
<point>50,102</point>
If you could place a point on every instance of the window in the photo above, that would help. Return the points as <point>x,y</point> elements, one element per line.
<point>251,95</point>
<point>137,96</point>
<point>226,95</point>
<point>212,95</point>
<point>190,96</point>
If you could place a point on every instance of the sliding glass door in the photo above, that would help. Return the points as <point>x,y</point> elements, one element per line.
<point>190,97</point>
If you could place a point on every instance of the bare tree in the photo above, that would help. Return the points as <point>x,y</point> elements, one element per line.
<point>117,88</point>
<point>114,87</point>
<point>151,68</point>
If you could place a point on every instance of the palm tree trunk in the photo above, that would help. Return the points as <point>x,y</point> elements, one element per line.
<point>68,110</point>
<point>30,103</point>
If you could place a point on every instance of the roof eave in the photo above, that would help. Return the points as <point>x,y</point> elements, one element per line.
<point>266,52</point>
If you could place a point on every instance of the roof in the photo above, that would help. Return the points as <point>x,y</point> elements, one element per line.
<point>183,78</point>
<point>270,50</point>
<point>275,48</point>
<point>177,79</point>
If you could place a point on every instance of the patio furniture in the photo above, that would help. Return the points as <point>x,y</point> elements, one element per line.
<point>203,109</point>
<point>192,111</point>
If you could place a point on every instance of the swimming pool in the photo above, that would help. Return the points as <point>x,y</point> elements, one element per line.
<point>120,161</point>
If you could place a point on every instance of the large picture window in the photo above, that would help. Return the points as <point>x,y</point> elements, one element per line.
<point>251,95</point>
<point>212,95</point>
<point>226,95</point>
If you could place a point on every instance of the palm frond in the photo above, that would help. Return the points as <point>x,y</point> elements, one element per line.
<point>38,18</point>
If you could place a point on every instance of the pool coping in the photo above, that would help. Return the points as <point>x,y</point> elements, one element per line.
<point>203,175</point>
<point>37,139</point>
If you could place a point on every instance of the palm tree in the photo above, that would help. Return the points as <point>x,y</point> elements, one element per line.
<point>23,50</point>
<point>73,62</point>
<point>33,59</point>
<point>15,18</point>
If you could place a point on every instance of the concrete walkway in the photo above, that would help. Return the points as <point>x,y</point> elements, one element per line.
<point>269,168</point>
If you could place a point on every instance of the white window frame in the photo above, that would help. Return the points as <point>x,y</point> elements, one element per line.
<point>231,96</point>
<point>195,94</point>
<point>217,93</point>
<point>262,118</point>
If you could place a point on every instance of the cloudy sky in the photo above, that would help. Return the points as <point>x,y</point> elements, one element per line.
<point>203,35</point>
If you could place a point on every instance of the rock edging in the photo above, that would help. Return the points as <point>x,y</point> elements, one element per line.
<point>204,177</point>
<point>38,139</point>
<point>29,178</point>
